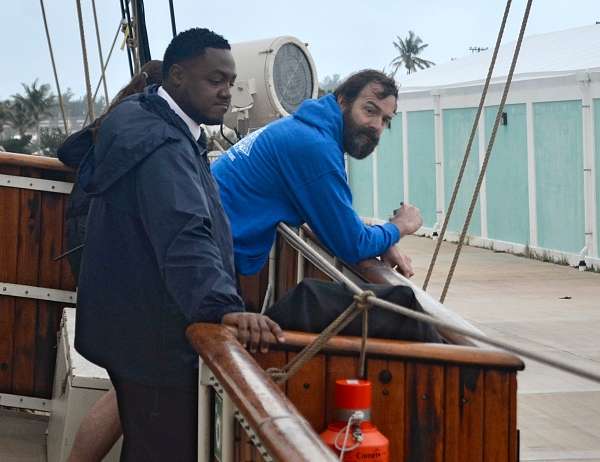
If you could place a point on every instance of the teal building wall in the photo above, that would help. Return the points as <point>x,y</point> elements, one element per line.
<point>506,179</point>
<point>360,177</point>
<point>457,127</point>
<point>421,164</point>
<point>390,172</point>
<point>559,175</point>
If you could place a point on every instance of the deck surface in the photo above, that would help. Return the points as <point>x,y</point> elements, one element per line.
<point>544,307</point>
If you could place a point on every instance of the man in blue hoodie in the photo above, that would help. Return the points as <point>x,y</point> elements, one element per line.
<point>293,171</point>
<point>158,254</point>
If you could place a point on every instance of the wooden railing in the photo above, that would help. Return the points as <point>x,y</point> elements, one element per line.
<point>271,421</point>
<point>34,287</point>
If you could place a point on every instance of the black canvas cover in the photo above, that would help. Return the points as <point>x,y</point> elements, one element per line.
<point>313,304</point>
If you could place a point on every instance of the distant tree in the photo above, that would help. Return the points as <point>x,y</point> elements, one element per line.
<point>19,117</point>
<point>330,83</point>
<point>50,140</point>
<point>18,145</point>
<point>408,50</point>
<point>3,115</point>
<point>39,101</point>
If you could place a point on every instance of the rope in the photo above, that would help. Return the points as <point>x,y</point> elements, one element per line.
<point>338,276</point>
<point>119,28</point>
<point>103,78</point>
<point>488,152</point>
<point>310,350</point>
<point>363,304</point>
<point>85,61</point>
<point>463,166</point>
<point>60,98</point>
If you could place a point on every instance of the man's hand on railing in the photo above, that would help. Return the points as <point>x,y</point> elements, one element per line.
<point>254,330</point>
<point>407,219</point>
<point>396,260</point>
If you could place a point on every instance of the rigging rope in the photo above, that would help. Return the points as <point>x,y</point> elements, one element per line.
<point>86,70</point>
<point>119,28</point>
<point>325,266</point>
<point>463,166</point>
<point>60,98</point>
<point>103,76</point>
<point>488,152</point>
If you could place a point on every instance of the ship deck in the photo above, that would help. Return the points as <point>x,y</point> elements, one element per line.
<point>540,306</point>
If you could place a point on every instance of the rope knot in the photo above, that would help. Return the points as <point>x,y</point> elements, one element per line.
<point>362,300</point>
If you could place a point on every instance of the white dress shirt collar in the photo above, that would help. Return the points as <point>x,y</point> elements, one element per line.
<point>195,129</point>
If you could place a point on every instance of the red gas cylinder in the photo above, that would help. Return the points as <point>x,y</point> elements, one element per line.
<point>351,430</point>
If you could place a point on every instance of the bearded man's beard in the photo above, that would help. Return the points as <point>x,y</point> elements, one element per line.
<point>359,141</point>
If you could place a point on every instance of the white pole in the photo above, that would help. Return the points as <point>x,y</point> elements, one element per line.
<point>531,177</point>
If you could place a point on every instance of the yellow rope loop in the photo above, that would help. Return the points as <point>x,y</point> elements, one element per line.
<point>362,300</point>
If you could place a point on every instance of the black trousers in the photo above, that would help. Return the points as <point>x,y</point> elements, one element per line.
<point>313,304</point>
<point>159,424</point>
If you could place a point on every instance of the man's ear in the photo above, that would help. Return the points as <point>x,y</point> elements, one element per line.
<point>176,75</point>
<point>342,102</point>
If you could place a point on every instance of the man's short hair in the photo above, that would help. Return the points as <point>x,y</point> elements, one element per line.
<point>190,44</point>
<point>353,85</point>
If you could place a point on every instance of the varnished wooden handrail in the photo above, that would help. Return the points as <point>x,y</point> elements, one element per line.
<point>29,160</point>
<point>283,431</point>
<point>417,351</point>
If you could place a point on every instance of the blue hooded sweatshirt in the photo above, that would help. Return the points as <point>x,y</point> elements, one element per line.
<point>292,171</point>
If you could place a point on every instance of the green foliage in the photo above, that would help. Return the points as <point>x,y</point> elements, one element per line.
<point>19,117</point>
<point>18,145</point>
<point>50,140</point>
<point>38,100</point>
<point>329,83</point>
<point>408,50</point>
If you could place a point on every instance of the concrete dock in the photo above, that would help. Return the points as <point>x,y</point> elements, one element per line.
<point>544,307</point>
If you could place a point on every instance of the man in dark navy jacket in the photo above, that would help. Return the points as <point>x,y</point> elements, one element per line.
<point>158,253</point>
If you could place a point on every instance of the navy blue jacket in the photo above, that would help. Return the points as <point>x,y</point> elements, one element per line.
<point>158,253</point>
<point>293,171</point>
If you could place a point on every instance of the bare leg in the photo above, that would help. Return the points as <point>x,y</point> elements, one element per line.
<point>99,430</point>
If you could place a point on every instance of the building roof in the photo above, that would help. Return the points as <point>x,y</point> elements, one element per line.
<point>549,54</point>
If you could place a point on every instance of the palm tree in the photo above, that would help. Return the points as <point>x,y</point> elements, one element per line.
<point>19,117</point>
<point>3,115</point>
<point>39,101</point>
<point>408,49</point>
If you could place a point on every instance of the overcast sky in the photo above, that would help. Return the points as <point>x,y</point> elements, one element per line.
<point>344,35</point>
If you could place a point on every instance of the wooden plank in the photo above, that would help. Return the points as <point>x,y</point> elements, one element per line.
<point>27,273</point>
<point>9,225</point>
<point>287,264</point>
<point>67,280</point>
<point>27,160</point>
<point>276,359</point>
<point>463,414</point>
<point>337,367</point>
<point>388,382</point>
<point>306,389</point>
<point>311,271</point>
<point>512,429</point>
<point>49,276</point>
<point>497,416</point>
<point>253,289</point>
<point>425,413</point>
